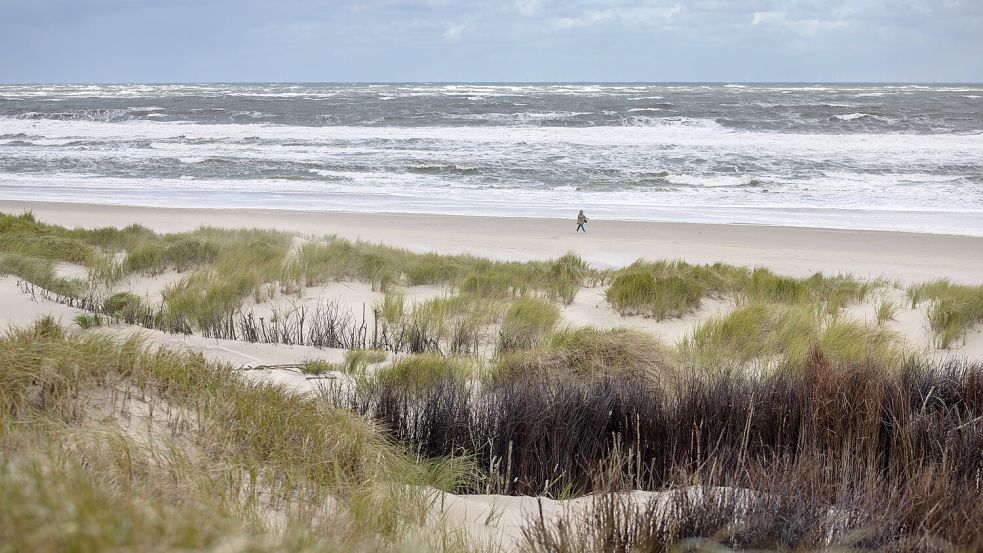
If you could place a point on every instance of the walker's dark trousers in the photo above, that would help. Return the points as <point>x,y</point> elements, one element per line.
<point>580,227</point>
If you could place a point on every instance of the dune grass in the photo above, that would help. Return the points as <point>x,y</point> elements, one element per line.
<point>666,289</point>
<point>392,307</point>
<point>122,304</point>
<point>527,323</point>
<point>40,271</point>
<point>593,353</point>
<point>318,366</point>
<point>334,259</point>
<point>886,311</point>
<point>455,324</point>
<point>221,461</point>
<point>772,335</point>
<point>953,309</point>
<point>86,321</point>
<point>417,372</point>
<point>24,235</point>
<point>227,267</point>
<point>356,361</point>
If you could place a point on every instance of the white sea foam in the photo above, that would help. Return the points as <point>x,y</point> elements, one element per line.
<point>854,116</point>
<point>250,114</point>
<point>521,118</point>
<point>709,181</point>
<point>648,131</point>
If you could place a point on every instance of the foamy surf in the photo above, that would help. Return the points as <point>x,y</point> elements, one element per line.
<point>825,155</point>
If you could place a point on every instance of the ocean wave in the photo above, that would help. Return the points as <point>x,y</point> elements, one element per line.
<point>104,115</point>
<point>251,114</point>
<point>515,119</point>
<point>712,181</point>
<point>107,115</point>
<point>855,116</point>
<point>672,122</point>
<point>673,132</point>
<point>443,168</point>
<point>784,105</point>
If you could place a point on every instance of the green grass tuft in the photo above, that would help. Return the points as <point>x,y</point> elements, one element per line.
<point>527,323</point>
<point>358,360</point>
<point>416,371</point>
<point>317,366</point>
<point>122,305</point>
<point>591,352</point>
<point>953,309</point>
<point>886,311</point>
<point>89,320</point>
<point>41,272</point>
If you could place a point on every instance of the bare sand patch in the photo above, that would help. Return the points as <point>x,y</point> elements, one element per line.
<point>71,271</point>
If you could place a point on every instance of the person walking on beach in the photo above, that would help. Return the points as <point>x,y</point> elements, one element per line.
<point>581,221</point>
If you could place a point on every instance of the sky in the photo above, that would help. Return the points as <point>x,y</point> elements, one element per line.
<point>478,40</point>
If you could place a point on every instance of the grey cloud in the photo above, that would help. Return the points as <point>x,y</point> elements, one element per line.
<point>318,40</point>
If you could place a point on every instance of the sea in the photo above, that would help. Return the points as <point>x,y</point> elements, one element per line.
<point>905,157</point>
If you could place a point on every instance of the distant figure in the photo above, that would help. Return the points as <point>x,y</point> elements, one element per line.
<point>581,221</point>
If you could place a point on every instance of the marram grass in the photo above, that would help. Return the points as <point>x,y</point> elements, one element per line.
<point>773,335</point>
<point>527,323</point>
<point>953,309</point>
<point>664,289</point>
<point>108,445</point>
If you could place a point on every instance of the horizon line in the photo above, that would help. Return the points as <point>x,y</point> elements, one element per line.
<point>491,82</point>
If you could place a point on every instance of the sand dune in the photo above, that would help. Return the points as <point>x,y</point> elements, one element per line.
<point>798,251</point>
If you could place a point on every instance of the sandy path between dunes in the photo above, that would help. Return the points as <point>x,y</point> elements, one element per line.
<point>905,256</point>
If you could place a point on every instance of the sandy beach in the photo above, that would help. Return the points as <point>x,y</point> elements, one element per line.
<point>906,257</point>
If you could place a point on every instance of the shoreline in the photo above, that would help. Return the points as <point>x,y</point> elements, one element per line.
<point>904,256</point>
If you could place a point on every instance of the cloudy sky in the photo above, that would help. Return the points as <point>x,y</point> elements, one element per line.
<point>483,40</point>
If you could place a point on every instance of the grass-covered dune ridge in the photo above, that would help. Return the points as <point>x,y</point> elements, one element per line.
<point>767,334</point>
<point>108,445</point>
<point>664,289</point>
<point>226,271</point>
